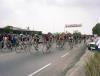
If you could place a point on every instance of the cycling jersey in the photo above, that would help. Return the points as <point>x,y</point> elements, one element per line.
<point>46,37</point>
<point>36,38</point>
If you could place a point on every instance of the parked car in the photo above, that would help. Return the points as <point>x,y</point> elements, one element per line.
<point>91,46</point>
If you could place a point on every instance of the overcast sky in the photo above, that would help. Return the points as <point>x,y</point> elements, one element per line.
<point>50,15</point>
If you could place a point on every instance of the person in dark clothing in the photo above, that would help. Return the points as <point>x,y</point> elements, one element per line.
<point>1,41</point>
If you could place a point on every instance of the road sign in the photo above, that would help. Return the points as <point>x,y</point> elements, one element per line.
<point>72,25</point>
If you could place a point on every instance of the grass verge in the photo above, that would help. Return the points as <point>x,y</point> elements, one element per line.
<point>93,65</point>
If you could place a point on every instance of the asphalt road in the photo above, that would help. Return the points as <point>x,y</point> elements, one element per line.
<point>36,64</point>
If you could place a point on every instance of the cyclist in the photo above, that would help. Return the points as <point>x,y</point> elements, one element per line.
<point>61,40</point>
<point>71,42</point>
<point>36,41</point>
<point>14,40</point>
<point>1,41</point>
<point>47,41</point>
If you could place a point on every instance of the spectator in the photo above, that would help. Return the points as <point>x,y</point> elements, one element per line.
<point>98,43</point>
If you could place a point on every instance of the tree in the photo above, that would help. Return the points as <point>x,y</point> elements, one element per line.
<point>77,33</point>
<point>96,29</point>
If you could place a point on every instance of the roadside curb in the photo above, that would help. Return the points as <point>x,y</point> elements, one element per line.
<point>78,69</point>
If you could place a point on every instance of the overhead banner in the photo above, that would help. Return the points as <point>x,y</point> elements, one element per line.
<point>72,25</point>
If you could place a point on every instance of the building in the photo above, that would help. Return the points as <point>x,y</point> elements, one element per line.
<point>15,30</point>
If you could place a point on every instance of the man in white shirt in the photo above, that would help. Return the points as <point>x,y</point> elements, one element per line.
<point>98,43</point>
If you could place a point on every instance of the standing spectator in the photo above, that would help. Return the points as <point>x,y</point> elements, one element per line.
<point>98,43</point>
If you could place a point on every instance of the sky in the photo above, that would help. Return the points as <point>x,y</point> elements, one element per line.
<point>50,15</point>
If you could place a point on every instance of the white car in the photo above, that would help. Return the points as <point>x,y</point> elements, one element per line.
<point>91,46</point>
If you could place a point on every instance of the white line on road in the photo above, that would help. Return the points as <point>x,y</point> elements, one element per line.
<point>39,69</point>
<point>65,55</point>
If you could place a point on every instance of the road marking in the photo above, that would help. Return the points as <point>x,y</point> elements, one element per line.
<point>39,69</point>
<point>65,55</point>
